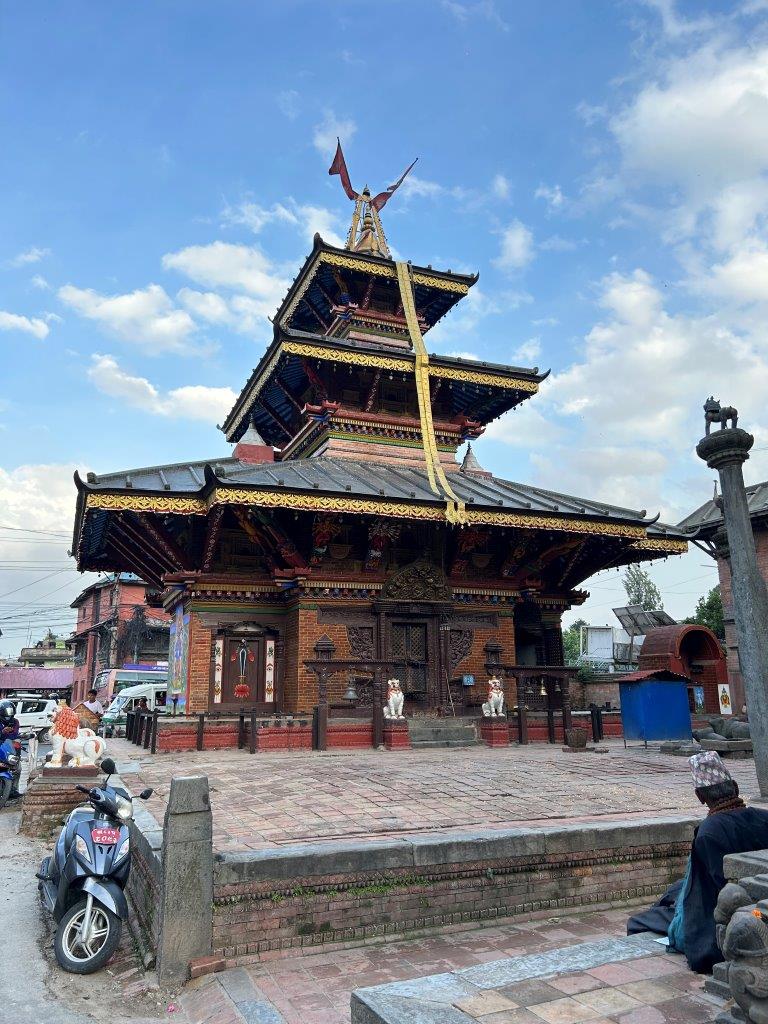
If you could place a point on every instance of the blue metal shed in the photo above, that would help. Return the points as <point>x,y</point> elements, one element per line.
<point>654,706</point>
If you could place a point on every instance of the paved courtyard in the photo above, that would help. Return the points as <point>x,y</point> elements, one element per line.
<point>316,988</point>
<point>274,799</point>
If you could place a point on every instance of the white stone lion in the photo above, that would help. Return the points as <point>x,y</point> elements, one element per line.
<point>82,746</point>
<point>394,706</point>
<point>494,707</point>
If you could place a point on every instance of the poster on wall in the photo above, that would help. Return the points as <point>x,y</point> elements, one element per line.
<point>179,644</point>
<point>698,699</point>
<point>269,672</point>
<point>724,695</point>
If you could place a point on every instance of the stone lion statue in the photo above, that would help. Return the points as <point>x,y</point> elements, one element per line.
<point>494,706</point>
<point>82,746</point>
<point>395,698</point>
<point>745,948</point>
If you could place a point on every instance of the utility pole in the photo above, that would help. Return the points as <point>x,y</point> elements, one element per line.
<point>726,450</point>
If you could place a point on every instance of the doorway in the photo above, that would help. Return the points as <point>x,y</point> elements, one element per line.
<point>410,645</point>
<point>248,671</point>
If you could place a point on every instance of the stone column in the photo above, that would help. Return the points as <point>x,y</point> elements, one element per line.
<point>186,902</point>
<point>726,450</point>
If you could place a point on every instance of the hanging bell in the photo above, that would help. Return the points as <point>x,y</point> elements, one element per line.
<point>543,690</point>
<point>351,693</point>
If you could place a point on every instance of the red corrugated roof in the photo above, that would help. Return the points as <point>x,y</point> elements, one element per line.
<point>659,673</point>
<point>36,678</point>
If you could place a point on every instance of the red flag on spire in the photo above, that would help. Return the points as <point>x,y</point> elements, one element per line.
<point>378,202</point>
<point>339,166</point>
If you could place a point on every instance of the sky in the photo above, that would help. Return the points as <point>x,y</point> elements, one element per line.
<point>603,164</point>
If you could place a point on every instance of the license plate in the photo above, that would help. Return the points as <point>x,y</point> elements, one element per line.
<point>105,836</point>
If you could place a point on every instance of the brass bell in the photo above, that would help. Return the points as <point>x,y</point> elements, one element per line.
<point>351,694</point>
<point>543,690</point>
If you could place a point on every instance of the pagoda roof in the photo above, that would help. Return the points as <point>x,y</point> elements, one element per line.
<point>499,386</point>
<point>436,291</point>
<point>357,487</point>
<point>709,517</point>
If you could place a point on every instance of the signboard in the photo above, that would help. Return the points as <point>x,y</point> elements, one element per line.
<point>698,699</point>
<point>467,680</point>
<point>724,696</point>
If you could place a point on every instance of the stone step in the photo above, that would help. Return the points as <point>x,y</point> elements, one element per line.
<point>431,744</point>
<point>717,985</point>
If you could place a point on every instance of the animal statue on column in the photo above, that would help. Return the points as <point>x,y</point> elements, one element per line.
<point>715,413</point>
<point>395,698</point>
<point>82,746</point>
<point>494,706</point>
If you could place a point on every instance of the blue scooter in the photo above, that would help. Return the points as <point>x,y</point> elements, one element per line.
<point>82,883</point>
<point>10,770</point>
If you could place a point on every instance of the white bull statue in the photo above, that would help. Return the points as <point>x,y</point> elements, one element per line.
<point>82,746</point>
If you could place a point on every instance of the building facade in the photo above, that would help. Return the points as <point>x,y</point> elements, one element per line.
<point>50,652</point>
<point>708,520</point>
<point>343,519</point>
<point>116,629</point>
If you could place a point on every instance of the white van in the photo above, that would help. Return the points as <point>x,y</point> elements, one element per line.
<point>113,722</point>
<point>34,713</point>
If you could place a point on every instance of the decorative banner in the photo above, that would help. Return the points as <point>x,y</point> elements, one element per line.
<point>218,668</point>
<point>698,699</point>
<point>724,694</point>
<point>179,651</point>
<point>243,656</point>
<point>269,672</point>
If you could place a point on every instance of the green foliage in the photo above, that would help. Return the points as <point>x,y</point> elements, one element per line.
<point>709,612</point>
<point>571,641</point>
<point>641,589</point>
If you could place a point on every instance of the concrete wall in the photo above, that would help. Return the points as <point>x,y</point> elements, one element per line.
<point>301,896</point>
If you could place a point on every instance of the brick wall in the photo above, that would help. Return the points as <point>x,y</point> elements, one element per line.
<point>328,895</point>
<point>474,663</point>
<point>200,662</point>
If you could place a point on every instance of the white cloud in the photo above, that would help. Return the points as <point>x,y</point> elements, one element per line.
<point>27,325</point>
<point>197,401</point>
<point>516,247</point>
<point>546,321</point>
<point>208,306</point>
<point>556,243</point>
<point>485,10</point>
<point>673,24</point>
<point>631,405</point>
<point>525,354</point>
<point>551,194</point>
<point>327,131</point>
<point>305,218</point>
<point>146,317</point>
<point>242,268</point>
<point>501,186</point>
<point>39,282</point>
<point>288,103</point>
<point>32,255</point>
<point>463,355</point>
<point>421,188</point>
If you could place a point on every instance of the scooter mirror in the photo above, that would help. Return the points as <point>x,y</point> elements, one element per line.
<point>108,766</point>
<point>145,794</point>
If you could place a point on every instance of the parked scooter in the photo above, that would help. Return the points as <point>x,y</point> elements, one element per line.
<point>10,770</point>
<point>82,883</point>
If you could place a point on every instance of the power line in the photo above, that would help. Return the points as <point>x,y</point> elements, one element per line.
<point>24,529</point>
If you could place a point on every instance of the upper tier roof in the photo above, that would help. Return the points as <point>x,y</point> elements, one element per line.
<point>709,517</point>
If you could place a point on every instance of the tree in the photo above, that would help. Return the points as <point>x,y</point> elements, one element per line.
<point>709,612</point>
<point>572,642</point>
<point>641,589</point>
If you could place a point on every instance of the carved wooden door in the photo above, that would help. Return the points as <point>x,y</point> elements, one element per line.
<point>409,646</point>
<point>243,671</point>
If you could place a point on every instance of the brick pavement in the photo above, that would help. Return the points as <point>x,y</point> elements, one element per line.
<point>268,800</point>
<point>316,988</point>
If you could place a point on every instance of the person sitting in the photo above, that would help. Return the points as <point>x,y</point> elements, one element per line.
<point>686,912</point>
<point>94,706</point>
<point>143,704</point>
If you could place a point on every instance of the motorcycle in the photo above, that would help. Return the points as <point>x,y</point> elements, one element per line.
<point>82,883</point>
<point>10,770</point>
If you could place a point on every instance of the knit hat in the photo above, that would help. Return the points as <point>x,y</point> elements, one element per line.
<point>708,769</point>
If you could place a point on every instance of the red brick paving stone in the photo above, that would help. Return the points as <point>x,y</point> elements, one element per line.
<point>521,1016</point>
<point>660,966</point>
<point>564,1011</point>
<point>618,974</point>
<point>687,1010</point>
<point>485,1003</point>
<point>570,984</point>
<point>528,993</point>
<point>643,1015</point>
<point>650,992</point>
<point>609,1002</point>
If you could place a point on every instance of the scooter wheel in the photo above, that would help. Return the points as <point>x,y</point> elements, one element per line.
<point>6,785</point>
<point>85,958</point>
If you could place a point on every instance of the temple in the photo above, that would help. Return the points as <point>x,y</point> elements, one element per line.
<point>344,526</point>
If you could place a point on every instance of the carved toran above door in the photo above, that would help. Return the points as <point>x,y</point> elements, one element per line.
<point>420,581</point>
